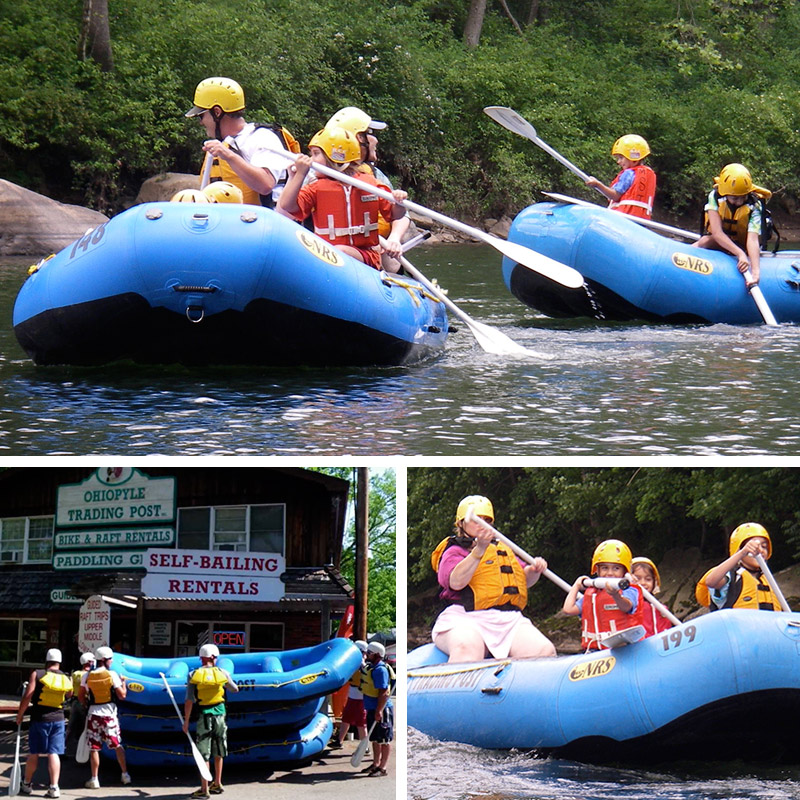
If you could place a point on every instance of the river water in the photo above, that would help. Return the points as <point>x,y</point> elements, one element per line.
<point>611,390</point>
<point>448,771</point>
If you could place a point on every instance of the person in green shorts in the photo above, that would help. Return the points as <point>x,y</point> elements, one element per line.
<point>206,686</point>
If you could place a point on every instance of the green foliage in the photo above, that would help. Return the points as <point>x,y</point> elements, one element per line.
<point>705,81</point>
<point>562,513</point>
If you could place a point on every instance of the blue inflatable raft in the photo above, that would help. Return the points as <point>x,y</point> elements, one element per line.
<point>723,686</point>
<point>277,714</point>
<point>632,272</point>
<point>219,284</point>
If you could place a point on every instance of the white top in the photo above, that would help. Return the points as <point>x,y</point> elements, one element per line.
<point>254,143</point>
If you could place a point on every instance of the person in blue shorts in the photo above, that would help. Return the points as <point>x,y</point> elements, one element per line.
<point>377,688</point>
<point>46,692</point>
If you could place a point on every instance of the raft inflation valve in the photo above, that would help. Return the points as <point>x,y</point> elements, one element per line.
<point>154,213</point>
<point>249,216</point>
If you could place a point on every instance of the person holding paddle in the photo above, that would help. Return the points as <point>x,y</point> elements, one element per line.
<point>486,587</point>
<point>739,582</point>
<point>343,215</point>
<point>634,188</point>
<point>206,686</point>
<point>376,683</point>
<point>610,609</point>
<point>45,694</point>
<point>734,213</point>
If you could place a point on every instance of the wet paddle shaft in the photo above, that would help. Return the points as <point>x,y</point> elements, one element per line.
<point>202,767</point>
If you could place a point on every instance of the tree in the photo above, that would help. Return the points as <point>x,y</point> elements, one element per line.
<point>474,24</point>
<point>95,39</point>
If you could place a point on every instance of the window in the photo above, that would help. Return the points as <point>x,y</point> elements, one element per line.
<point>257,529</point>
<point>23,641</point>
<point>230,637</point>
<point>36,532</point>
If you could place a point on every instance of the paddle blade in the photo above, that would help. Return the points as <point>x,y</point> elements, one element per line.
<point>544,265</point>
<point>202,767</point>
<point>512,121</point>
<point>82,750</point>
<point>496,342</point>
<point>358,756</point>
<point>16,772</point>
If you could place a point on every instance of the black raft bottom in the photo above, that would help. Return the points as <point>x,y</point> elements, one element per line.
<point>592,300</point>
<point>760,726</point>
<point>126,327</point>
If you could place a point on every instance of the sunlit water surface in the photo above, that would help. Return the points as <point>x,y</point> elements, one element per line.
<point>611,389</point>
<point>449,771</point>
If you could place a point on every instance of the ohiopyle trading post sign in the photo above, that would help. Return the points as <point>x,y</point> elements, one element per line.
<point>110,519</point>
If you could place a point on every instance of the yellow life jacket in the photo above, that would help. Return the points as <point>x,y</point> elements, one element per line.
<point>209,683</point>
<point>498,581</point>
<point>355,679</point>
<point>222,171</point>
<point>52,688</point>
<point>101,687</point>
<point>368,685</point>
<point>744,591</point>
<point>77,675</point>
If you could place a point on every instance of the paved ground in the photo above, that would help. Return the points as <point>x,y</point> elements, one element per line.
<point>329,777</point>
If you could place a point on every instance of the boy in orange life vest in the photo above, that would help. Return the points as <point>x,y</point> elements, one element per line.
<point>343,215</point>
<point>605,610</point>
<point>737,582</point>
<point>733,219</point>
<point>633,189</point>
<point>645,573</point>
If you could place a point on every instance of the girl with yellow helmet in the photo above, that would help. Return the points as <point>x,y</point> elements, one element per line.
<point>634,188</point>
<point>343,215</point>
<point>645,573</point>
<point>610,609</point>
<point>737,582</point>
<point>486,587</point>
<point>733,217</point>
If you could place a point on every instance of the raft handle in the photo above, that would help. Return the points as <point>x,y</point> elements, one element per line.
<point>194,309</point>
<point>492,690</point>
<point>202,289</point>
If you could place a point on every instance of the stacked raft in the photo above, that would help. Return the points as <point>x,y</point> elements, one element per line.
<point>278,714</point>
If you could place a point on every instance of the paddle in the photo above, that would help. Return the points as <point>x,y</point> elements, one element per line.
<point>560,582</point>
<point>773,584</point>
<point>206,176</point>
<point>16,770</point>
<point>524,256</point>
<point>490,339</point>
<point>358,756</point>
<point>205,773</point>
<point>755,289</point>
<point>82,749</point>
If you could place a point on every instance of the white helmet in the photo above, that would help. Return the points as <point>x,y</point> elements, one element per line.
<point>87,658</point>
<point>209,651</point>
<point>361,645</point>
<point>376,647</point>
<point>53,654</point>
<point>104,653</point>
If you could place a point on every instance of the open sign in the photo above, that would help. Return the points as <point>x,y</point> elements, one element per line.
<point>229,638</point>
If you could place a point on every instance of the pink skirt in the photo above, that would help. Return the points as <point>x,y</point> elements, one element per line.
<point>497,628</point>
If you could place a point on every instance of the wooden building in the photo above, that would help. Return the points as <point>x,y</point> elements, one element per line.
<point>246,557</point>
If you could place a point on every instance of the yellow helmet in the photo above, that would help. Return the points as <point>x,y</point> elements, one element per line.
<point>612,551</point>
<point>734,179</point>
<point>745,531</point>
<point>633,147</point>
<point>651,564</point>
<point>339,144</point>
<point>481,507</point>
<point>354,120</point>
<point>222,92</point>
<point>223,192</point>
<point>189,196</point>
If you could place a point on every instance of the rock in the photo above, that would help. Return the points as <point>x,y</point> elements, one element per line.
<point>34,225</point>
<point>163,186</point>
<point>499,227</point>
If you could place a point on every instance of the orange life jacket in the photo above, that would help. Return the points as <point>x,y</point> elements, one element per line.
<point>600,614</point>
<point>638,200</point>
<point>735,219</point>
<point>345,215</point>
<point>498,581</point>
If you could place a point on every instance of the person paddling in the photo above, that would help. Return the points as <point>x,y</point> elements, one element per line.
<point>486,587</point>
<point>738,582</point>
<point>633,189</point>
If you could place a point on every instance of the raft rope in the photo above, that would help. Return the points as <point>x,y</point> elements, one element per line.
<point>304,679</point>
<point>501,664</point>
<point>411,288</point>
